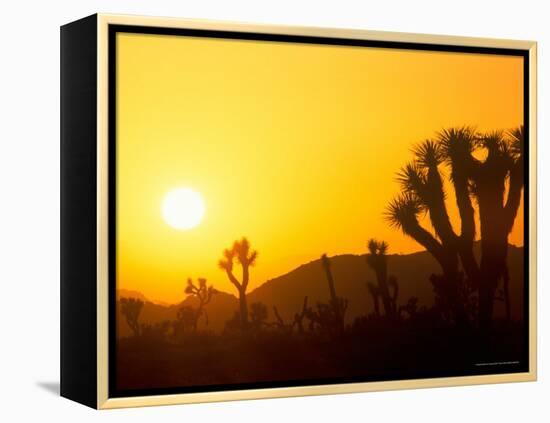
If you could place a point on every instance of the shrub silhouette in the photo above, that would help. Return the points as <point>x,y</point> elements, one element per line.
<point>131,308</point>
<point>186,320</point>
<point>377,260</point>
<point>234,323</point>
<point>157,331</point>
<point>246,258</point>
<point>203,294</point>
<point>411,308</point>
<point>473,178</point>
<point>325,318</point>
<point>465,294</point>
<point>258,315</point>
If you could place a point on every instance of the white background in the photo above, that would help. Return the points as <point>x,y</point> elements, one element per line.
<point>29,209</point>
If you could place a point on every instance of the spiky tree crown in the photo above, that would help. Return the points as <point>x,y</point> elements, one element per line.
<point>226,263</point>
<point>403,211</point>
<point>517,142</point>
<point>240,250</point>
<point>428,154</point>
<point>202,291</point>
<point>377,252</point>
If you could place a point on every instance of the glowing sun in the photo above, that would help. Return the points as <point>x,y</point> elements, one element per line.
<point>183,208</point>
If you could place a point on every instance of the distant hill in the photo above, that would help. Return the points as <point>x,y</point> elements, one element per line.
<point>138,295</point>
<point>127,293</point>
<point>351,274</point>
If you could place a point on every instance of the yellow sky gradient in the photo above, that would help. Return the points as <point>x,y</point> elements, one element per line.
<point>294,146</point>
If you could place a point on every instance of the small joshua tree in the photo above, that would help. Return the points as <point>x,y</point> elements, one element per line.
<point>338,304</point>
<point>394,286</point>
<point>131,308</point>
<point>377,260</point>
<point>375,294</point>
<point>242,253</point>
<point>299,317</point>
<point>490,183</point>
<point>297,321</point>
<point>203,294</point>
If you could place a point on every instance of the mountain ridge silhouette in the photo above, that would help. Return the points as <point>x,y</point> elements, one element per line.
<point>351,274</point>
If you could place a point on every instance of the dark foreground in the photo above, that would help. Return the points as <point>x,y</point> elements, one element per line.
<point>375,351</point>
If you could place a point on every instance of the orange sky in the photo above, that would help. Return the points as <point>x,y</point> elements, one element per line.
<point>294,146</point>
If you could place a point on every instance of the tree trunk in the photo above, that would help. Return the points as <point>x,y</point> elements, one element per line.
<point>494,244</point>
<point>332,289</point>
<point>386,300</point>
<point>457,306</point>
<point>243,306</point>
<point>447,257</point>
<point>197,317</point>
<point>506,292</point>
<point>490,189</point>
<point>376,302</point>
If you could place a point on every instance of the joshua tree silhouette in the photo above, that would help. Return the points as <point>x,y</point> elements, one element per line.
<point>496,184</point>
<point>203,293</point>
<point>377,260</point>
<point>280,323</point>
<point>375,293</point>
<point>338,305</point>
<point>131,308</point>
<point>488,179</point>
<point>297,321</point>
<point>246,258</point>
<point>299,317</point>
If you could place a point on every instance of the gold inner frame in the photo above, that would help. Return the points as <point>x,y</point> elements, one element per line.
<point>103,400</point>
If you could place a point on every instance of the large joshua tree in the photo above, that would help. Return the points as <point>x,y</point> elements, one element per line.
<point>487,168</point>
<point>378,261</point>
<point>242,253</point>
<point>496,184</point>
<point>203,294</point>
<point>423,191</point>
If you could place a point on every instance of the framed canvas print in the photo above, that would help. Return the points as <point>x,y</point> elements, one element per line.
<point>257,211</point>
